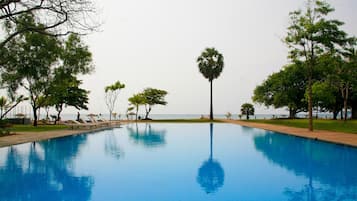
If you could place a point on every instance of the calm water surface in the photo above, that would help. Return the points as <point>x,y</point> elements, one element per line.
<point>179,162</point>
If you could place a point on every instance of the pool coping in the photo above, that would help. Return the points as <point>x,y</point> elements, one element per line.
<point>340,138</point>
<point>26,137</point>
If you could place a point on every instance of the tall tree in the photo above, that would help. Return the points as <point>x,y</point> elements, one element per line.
<point>247,109</point>
<point>310,34</point>
<point>348,74</point>
<point>58,17</point>
<point>111,95</point>
<point>153,97</point>
<point>136,100</point>
<point>31,58</point>
<point>210,64</point>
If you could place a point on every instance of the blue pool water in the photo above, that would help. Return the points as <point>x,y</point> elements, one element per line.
<point>179,162</point>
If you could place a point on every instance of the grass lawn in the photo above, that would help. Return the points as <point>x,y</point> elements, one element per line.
<point>39,128</point>
<point>349,126</point>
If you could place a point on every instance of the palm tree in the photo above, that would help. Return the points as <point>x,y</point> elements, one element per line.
<point>210,64</point>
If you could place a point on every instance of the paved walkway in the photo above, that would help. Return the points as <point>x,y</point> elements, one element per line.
<point>327,136</point>
<point>23,137</point>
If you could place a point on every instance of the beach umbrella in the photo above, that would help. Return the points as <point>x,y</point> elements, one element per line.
<point>210,174</point>
<point>92,115</point>
<point>20,115</point>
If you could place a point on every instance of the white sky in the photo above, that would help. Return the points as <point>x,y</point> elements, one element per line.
<point>155,44</point>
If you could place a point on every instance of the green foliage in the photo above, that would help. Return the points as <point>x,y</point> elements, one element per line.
<point>76,57</point>
<point>111,95</point>
<point>28,65</point>
<point>6,105</point>
<point>153,97</point>
<point>3,104</point>
<point>285,88</point>
<point>136,100</point>
<point>210,64</point>
<point>311,35</point>
<point>64,90</point>
<point>57,18</point>
<point>4,127</point>
<point>247,109</point>
<point>30,60</point>
<point>114,87</point>
<point>324,93</point>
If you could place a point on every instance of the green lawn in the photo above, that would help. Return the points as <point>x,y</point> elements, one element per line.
<point>39,128</point>
<point>349,126</point>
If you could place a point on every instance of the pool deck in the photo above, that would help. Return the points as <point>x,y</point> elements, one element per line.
<point>24,137</point>
<point>322,135</point>
<point>327,136</point>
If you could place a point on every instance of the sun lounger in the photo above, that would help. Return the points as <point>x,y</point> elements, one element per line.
<point>76,124</point>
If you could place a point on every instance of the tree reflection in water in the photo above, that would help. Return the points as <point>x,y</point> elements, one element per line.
<point>331,165</point>
<point>44,172</point>
<point>148,137</point>
<point>210,174</point>
<point>111,145</point>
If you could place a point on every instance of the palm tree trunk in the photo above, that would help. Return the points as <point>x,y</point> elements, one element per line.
<point>211,106</point>
<point>211,140</point>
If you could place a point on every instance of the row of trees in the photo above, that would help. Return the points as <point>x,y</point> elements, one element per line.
<point>149,97</point>
<point>323,66</point>
<point>44,67</point>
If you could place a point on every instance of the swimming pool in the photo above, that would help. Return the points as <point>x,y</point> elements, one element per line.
<point>178,162</point>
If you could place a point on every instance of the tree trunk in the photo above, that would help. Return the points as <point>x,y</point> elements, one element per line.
<point>34,109</point>
<point>345,102</point>
<point>47,111</point>
<point>310,100</point>
<point>292,113</point>
<point>211,106</point>
<point>147,111</point>
<point>136,114</point>
<point>110,115</point>
<point>354,109</point>
<point>211,140</point>
<point>335,113</point>
<point>39,113</point>
<point>58,116</point>
<point>59,110</point>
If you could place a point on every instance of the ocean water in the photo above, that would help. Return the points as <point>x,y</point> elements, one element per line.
<point>200,162</point>
<point>186,116</point>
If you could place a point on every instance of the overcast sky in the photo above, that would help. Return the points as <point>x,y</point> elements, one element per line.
<point>155,44</point>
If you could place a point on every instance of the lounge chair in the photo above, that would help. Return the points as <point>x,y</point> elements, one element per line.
<point>76,124</point>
